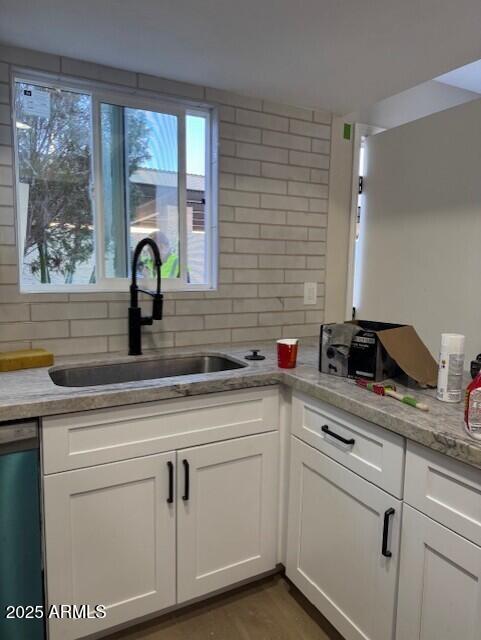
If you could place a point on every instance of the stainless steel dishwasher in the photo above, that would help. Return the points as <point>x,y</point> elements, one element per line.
<point>21,581</point>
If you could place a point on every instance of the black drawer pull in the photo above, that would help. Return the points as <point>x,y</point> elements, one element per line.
<point>186,480</point>
<point>170,466</point>
<point>385,532</point>
<point>326,430</point>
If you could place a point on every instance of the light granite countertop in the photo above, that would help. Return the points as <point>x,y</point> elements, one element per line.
<point>31,393</point>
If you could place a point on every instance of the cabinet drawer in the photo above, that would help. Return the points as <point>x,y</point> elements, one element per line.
<point>96,437</point>
<point>373,452</point>
<point>446,490</point>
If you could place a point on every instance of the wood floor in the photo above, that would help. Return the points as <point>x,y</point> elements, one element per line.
<point>271,609</point>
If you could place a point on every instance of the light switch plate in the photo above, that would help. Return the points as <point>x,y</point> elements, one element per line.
<point>310,292</point>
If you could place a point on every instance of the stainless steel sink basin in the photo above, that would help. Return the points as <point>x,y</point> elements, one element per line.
<point>139,369</point>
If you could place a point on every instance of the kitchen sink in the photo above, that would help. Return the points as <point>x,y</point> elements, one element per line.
<point>87,375</point>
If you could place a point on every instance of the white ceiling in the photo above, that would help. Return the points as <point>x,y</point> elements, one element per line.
<point>335,54</point>
<point>467,77</point>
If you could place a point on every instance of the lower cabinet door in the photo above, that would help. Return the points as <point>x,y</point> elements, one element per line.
<point>439,584</point>
<point>227,513</point>
<point>110,540</point>
<point>343,545</point>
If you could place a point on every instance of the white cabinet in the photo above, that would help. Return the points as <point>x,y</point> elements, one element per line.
<point>226,513</point>
<point>440,582</point>
<point>110,540</point>
<point>141,535</point>
<point>339,526</point>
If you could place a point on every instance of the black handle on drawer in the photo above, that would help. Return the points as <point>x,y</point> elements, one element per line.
<point>186,480</point>
<point>170,466</point>
<point>326,429</point>
<point>385,532</point>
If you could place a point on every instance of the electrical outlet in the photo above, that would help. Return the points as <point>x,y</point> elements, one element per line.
<point>310,292</point>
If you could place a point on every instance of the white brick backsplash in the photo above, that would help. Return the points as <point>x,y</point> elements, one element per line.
<point>259,215</point>
<point>259,275</point>
<point>29,58</point>
<point>5,114</point>
<point>284,202</point>
<point>233,99</point>
<point>262,120</point>
<point>8,254</point>
<point>4,93</point>
<point>234,261</point>
<point>283,233</point>
<point>33,330</point>
<point>238,198</point>
<point>7,235</point>
<point>240,166</point>
<point>282,262</point>
<point>262,185</point>
<point>318,206</point>
<point>6,156</point>
<point>258,152</point>
<point>191,338</point>
<point>71,311</point>
<point>8,274</point>
<point>301,330</point>
<point>14,313</point>
<point>257,304</point>
<point>307,189</point>
<point>239,230</point>
<point>260,246</point>
<point>73,346</point>
<point>274,174</point>
<point>307,219</point>
<point>319,175</point>
<point>259,333</point>
<point>321,146</point>
<point>325,117</point>
<point>109,327</point>
<point>226,114</point>
<point>5,134</point>
<point>279,290</point>
<point>202,307</point>
<point>306,248</point>
<point>310,129</point>
<point>172,87</point>
<point>284,317</point>
<point>98,72</point>
<point>6,196</point>
<point>286,140</point>
<point>239,133</point>
<point>288,111</point>
<point>6,176</point>
<point>304,159</point>
<point>305,275</point>
<point>233,320</point>
<point>285,172</point>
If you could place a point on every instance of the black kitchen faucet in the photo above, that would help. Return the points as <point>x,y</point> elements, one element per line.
<point>136,321</point>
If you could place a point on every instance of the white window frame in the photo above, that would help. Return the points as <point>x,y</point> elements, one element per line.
<point>141,99</point>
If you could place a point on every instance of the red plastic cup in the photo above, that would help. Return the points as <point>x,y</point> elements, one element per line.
<point>287,353</point>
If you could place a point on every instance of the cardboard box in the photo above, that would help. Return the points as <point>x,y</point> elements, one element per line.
<point>375,351</point>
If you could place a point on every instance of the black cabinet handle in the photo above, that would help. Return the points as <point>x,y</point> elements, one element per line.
<point>326,429</point>
<point>385,532</point>
<point>170,466</point>
<point>186,480</point>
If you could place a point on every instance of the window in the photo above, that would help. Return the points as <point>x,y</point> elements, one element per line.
<point>97,171</point>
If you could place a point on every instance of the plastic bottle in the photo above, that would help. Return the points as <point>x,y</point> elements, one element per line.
<point>472,408</point>
<point>451,364</point>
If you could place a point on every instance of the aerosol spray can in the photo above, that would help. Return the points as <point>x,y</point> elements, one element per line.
<point>451,366</point>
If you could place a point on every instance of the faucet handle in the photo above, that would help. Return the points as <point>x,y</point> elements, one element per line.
<point>157,306</point>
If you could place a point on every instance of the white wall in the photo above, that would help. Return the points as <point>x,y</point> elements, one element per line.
<point>420,101</point>
<point>421,232</point>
